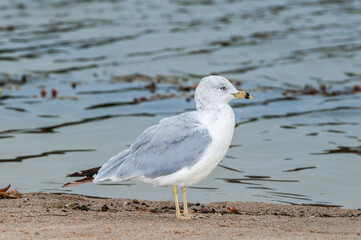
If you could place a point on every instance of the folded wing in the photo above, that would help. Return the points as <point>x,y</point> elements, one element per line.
<point>176,142</point>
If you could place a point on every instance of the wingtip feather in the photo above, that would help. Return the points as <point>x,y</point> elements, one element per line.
<point>85,173</point>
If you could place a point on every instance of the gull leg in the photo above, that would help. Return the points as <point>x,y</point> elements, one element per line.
<point>185,205</point>
<point>175,194</point>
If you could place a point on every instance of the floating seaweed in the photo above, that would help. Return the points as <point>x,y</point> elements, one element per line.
<point>323,90</point>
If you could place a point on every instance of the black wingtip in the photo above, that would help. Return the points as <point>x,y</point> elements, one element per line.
<point>85,173</point>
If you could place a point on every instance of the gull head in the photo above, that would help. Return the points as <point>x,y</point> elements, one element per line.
<point>216,90</point>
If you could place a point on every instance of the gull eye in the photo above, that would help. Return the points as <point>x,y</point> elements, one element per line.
<point>223,88</point>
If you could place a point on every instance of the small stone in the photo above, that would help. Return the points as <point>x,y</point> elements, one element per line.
<point>105,208</point>
<point>233,210</point>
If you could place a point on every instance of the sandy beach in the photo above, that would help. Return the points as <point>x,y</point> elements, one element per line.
<point>54,216</point>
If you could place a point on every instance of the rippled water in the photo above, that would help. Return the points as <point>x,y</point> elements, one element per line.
<point>117,67</point>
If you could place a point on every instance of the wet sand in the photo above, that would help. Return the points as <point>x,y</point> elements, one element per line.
<point>54,216</point>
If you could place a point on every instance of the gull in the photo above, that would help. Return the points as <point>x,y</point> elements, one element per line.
<point>180,150</point>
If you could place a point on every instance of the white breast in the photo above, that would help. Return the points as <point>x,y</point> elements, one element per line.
<point>221,127</point>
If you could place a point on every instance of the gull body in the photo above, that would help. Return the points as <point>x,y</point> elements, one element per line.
<point>220,125</point>
<point>181,150</point>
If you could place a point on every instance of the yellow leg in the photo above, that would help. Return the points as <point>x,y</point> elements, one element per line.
<point>185,205</point>
<point>175,194</point>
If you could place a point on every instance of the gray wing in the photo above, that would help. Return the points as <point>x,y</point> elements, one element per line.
<point>175,143</point>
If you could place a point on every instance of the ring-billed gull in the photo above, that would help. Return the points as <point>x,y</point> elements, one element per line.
<point>181,150</point>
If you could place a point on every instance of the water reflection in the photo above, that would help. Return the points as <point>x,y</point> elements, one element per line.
<point>299,169</point>
<point>44,154</point>
<point>291,196</point>
<point>341,150</point>
<point>247,180</point>
<point>229,168</point>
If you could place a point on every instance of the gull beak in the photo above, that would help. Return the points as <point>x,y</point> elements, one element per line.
<point>242,94</point>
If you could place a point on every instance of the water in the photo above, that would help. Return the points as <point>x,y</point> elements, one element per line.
<point>101,58</point>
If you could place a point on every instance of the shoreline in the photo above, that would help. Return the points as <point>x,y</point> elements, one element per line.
<point>65,216</point>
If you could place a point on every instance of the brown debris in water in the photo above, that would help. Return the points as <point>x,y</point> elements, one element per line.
<point>357,88</point>
<point>151,86</point>
<point>12,79</point>
<point>323,89</point>
<point>238,83</point>
<point>43,93</point>
<point>309,90</point>
<point>154,80</point>
<point>54,93</point>
<point>154,97</point>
